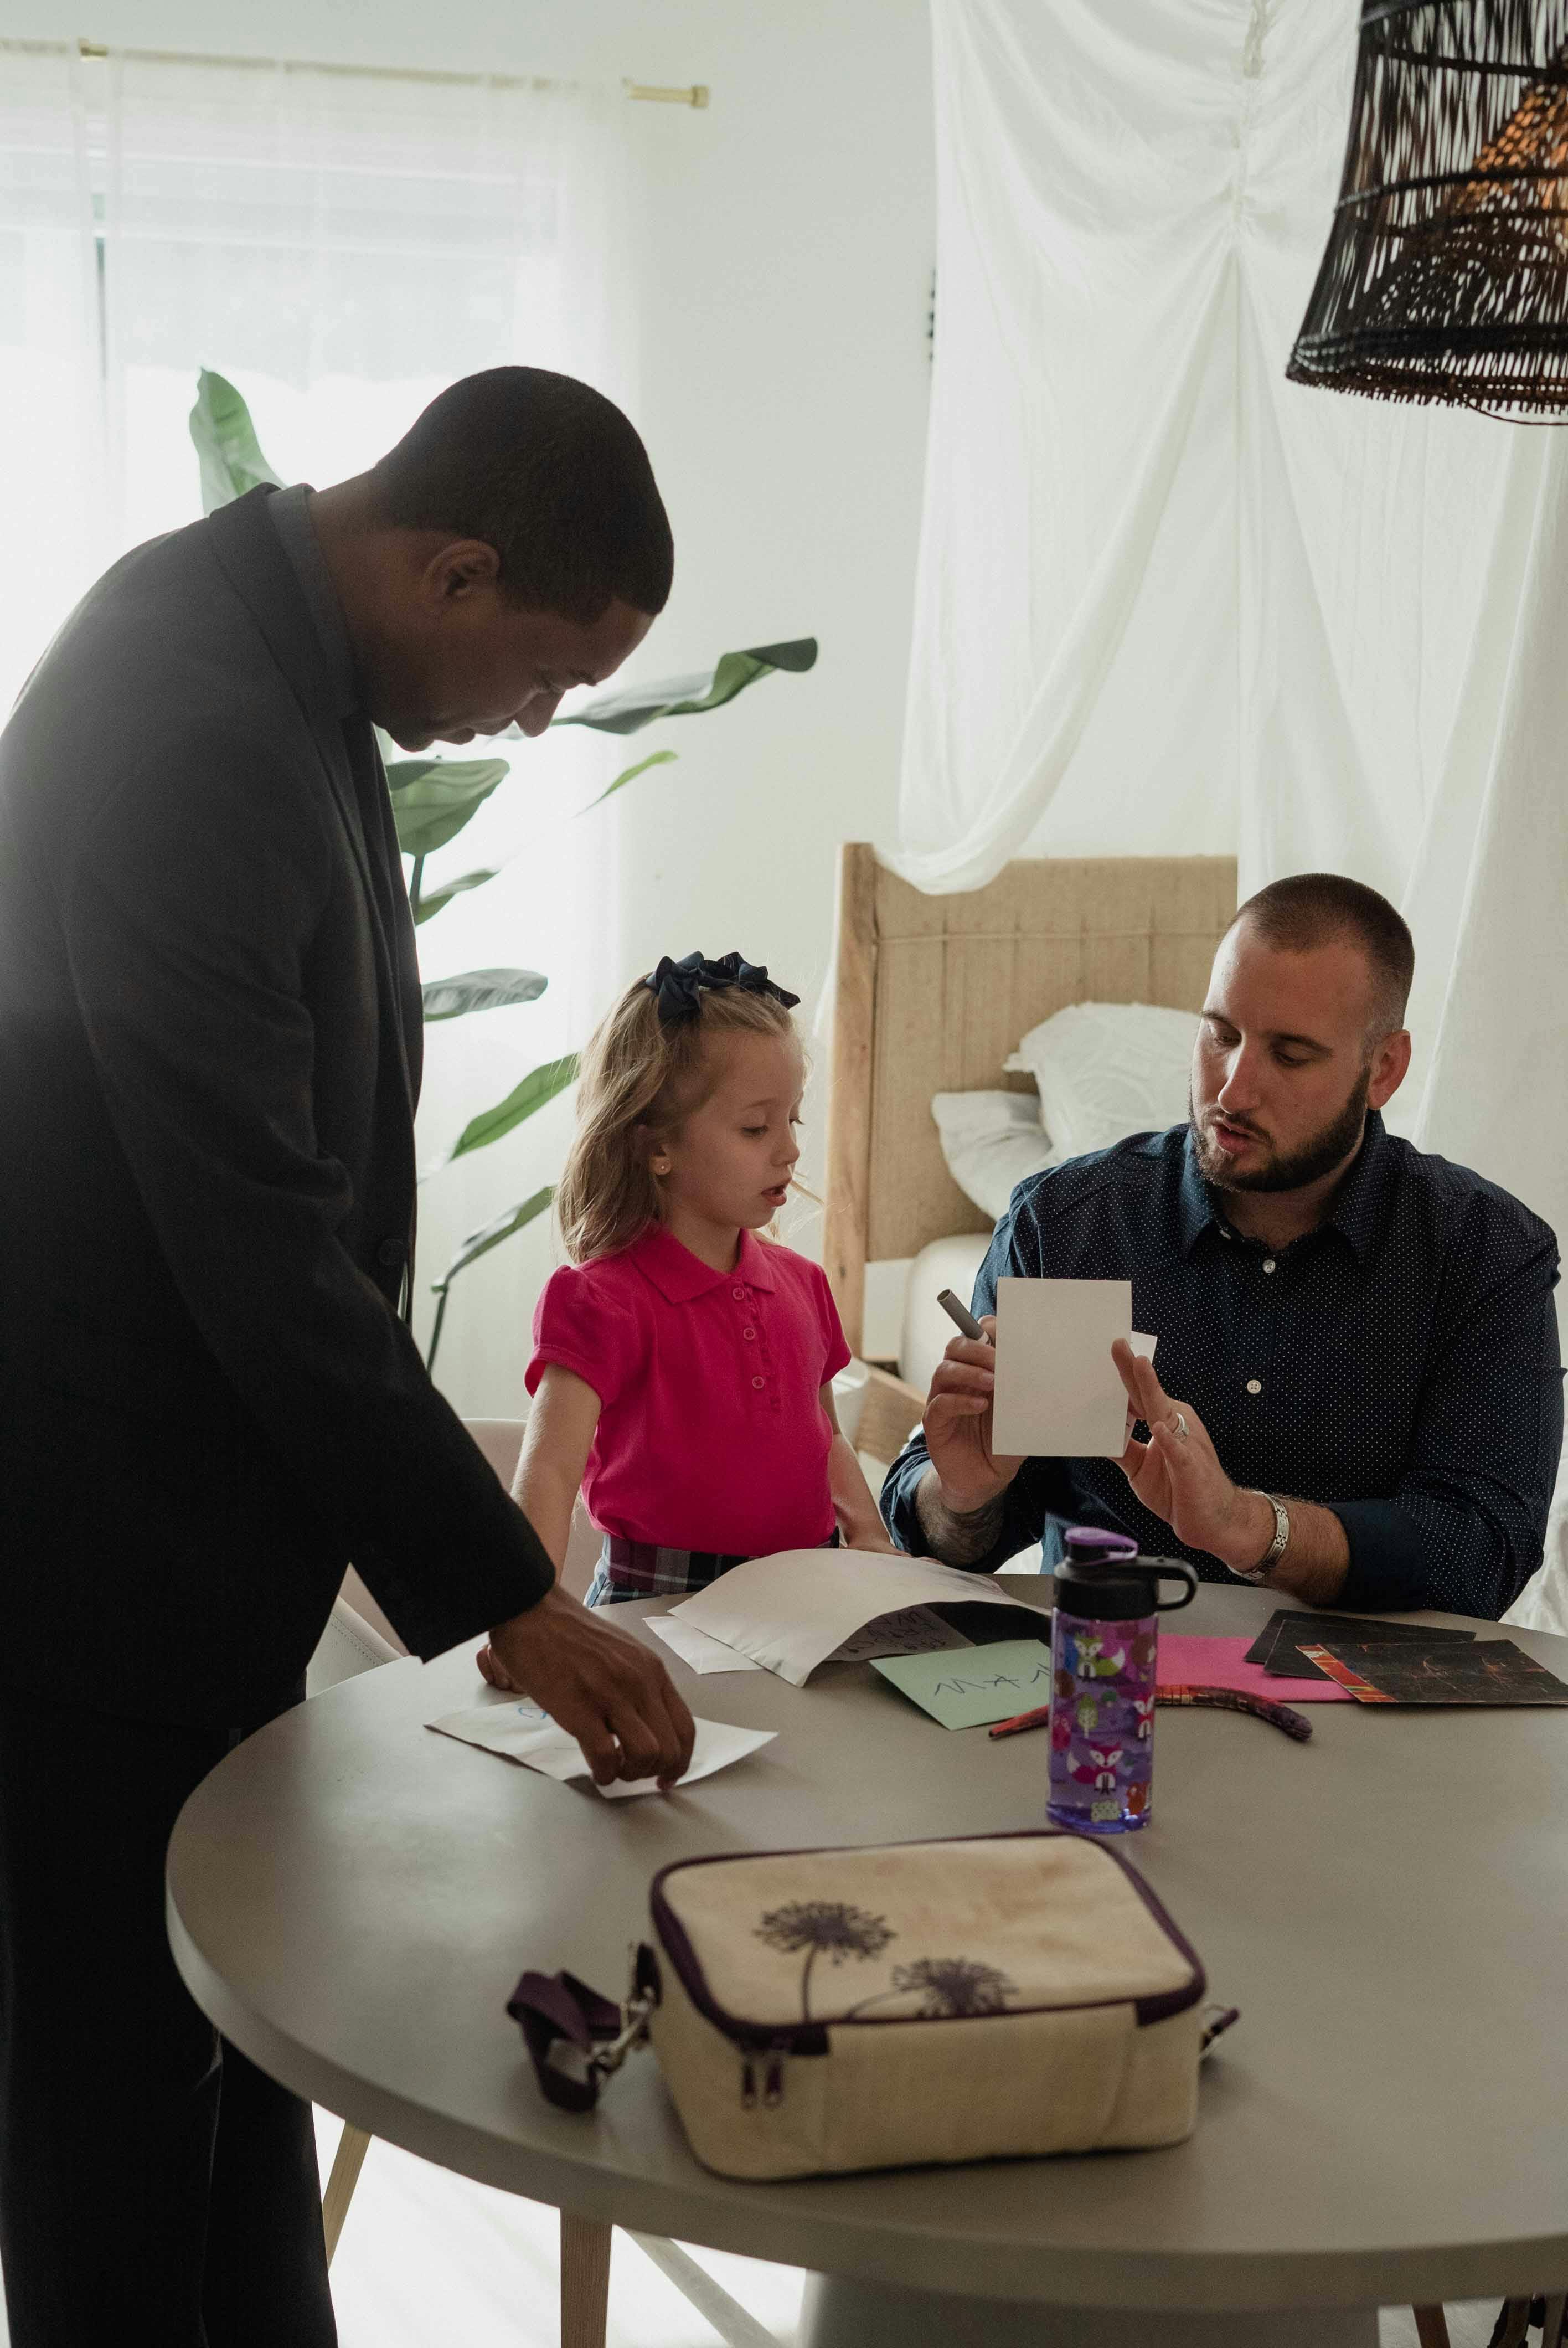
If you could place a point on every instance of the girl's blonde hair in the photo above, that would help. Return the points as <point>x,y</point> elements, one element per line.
<point>640,1078</point>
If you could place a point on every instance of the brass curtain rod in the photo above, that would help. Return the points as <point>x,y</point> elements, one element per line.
<point>688,94</point>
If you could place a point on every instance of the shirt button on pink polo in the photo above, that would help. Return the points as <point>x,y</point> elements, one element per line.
<point>700,1444</point>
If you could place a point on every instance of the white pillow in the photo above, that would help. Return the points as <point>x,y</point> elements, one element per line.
<point>991,1141</point>
<point>1108,1069</point>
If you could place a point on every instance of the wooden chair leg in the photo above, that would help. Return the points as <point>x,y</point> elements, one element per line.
<point>1431,2327</point>
<point>349,2159</point>
<point>1554,2329</point>
<point>584,2280</point>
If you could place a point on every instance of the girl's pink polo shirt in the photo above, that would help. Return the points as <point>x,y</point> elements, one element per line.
<point>711,1433</point>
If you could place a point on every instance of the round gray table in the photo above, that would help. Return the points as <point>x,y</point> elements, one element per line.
<point>351,1899</point>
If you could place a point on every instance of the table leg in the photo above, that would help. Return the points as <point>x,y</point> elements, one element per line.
<point>839,2313</point>
<point>584,2280</point>
<point>347,2162</point>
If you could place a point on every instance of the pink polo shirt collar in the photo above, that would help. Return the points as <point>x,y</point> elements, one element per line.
<point>679,1275</point>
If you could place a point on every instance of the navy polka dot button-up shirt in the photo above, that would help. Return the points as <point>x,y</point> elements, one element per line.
<point>1399,1365</point>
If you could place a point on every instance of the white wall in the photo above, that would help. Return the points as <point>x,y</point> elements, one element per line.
<point>783,269</point>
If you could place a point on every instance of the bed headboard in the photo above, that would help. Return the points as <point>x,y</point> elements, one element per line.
<point>933,992</point>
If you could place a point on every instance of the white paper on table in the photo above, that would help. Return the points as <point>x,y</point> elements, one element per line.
<point>790,1611</point>
<point>695,1648</point>
<point>1057,1392</point>
<point>522,1731</point>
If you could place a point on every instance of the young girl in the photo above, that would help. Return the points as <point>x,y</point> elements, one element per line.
<point>682,1368</point>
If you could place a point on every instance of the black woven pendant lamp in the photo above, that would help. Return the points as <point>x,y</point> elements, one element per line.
<point>1446,276</point>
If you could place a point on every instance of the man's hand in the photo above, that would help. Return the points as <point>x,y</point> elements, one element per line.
<point>957,1426</point>
<point>1177,1476</point>
<point>600,1685</point>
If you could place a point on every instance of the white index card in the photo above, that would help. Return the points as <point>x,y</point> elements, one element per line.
<point>1057,1395</point>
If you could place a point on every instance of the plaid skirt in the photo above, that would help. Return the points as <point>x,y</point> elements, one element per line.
<point>641,1569</point>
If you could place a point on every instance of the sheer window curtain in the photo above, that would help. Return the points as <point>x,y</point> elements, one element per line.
<point>52,389</point>
<point>342,245</point>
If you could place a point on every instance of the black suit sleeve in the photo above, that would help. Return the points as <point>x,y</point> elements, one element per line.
<point>188,909</point>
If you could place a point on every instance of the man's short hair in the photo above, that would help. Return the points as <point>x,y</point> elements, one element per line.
<point>550,473</point>
<point>1312,909</point>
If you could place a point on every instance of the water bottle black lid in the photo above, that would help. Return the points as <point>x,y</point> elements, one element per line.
<point>1103,1576</point>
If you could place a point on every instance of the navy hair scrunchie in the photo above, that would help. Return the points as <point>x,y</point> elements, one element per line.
<point>676,986</point>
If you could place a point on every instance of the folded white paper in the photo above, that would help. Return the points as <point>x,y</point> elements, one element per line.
<point>790,1611</point>
<point>1057,1392</point>
<point>524,1732</point>
<point>695,1648</point>
<point>913,1630</point>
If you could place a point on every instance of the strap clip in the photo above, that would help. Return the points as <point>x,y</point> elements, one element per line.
<point>577,2038</point>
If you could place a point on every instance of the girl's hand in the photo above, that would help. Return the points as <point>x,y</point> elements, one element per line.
<point>957,1426</point>
<point>866,1533</point>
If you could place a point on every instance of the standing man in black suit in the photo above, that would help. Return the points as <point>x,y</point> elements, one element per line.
<point>209,1055</point>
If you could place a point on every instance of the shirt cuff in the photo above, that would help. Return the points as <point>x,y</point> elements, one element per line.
<point>897,1498</point>
<point>1388,1567</point>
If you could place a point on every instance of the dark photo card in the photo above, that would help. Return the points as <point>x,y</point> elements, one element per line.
<point>1277,1646</point>
<point>1484,1671</point>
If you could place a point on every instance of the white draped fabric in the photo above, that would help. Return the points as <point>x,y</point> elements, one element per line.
<point>1169,602</point>
<point>52,406</point>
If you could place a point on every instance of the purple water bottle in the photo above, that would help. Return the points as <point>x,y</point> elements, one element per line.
<point>1104,1639</point>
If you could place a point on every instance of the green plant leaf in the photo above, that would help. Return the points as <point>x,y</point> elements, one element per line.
<point>636,706</point>
<point>478,1243</point>
<point>432,900</point>
<point>659,758</point>
<point>226,443</point>
<point>541,1085</point>
<point>433,798</point>
<point>481,989</point>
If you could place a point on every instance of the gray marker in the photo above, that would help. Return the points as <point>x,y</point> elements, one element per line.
<point>962,1316</point>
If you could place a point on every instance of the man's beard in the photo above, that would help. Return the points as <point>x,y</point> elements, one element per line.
<point>1328,1148</point>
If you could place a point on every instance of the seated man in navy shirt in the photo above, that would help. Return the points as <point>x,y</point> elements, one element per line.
<point>1359,1392</point>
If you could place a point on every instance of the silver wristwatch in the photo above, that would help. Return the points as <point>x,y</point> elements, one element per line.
<point>1276,1547</point>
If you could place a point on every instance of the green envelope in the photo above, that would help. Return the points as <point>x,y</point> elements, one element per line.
<point>964,1687</point>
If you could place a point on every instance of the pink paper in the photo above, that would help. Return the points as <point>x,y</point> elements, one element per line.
<point>1217,1663</point>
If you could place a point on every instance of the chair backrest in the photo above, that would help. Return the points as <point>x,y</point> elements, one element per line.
<point>501,1441</point>
<point>348,1646</point>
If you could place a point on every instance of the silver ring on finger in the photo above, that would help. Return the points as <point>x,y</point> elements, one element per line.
<point>1179,1425</point>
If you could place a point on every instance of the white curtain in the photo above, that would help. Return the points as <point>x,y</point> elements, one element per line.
<point>52,479</point>
<point>1169,602</point>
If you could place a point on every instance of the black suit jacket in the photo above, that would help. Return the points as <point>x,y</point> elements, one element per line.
<point>209,1061</point>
